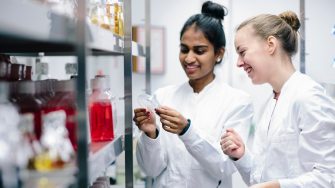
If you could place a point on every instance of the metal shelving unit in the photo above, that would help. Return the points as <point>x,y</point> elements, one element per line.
<point>27,28</point>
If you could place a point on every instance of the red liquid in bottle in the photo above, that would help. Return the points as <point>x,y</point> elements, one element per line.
<point>101,121</point>
<point>101,110</point>
<point>64,100</point>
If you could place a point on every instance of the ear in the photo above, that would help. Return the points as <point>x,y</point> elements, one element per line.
<point>219,54</point>
<point>272,43</point>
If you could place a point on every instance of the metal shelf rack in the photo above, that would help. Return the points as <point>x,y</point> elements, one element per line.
<point>27,28</point>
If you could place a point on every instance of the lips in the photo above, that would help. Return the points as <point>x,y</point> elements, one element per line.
<point>190,69</point>
<point>248,70</point>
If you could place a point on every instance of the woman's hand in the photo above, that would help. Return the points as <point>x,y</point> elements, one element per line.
<point>270,184</point>
<point>232,144</point>
<point>172,121</point>
<point>145,121</point>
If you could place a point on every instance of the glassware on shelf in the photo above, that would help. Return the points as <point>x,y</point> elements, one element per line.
<point>102,111</point>
<point>59,125</point>
<point>61,109</point>
<point>107,14</point>
<point>17,72</point>
<point>5,66</point>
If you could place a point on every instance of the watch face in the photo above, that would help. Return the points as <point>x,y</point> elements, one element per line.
<point>147,101</point>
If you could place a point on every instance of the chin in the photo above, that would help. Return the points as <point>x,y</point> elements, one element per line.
<point>257,82</point>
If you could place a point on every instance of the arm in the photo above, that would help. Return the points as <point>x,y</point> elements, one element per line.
<point>233,146</point>
<point>150,156</point>
<point>316,120</point>
<point>149,151</point>
<point>269,184</point>
<point>218,164</point>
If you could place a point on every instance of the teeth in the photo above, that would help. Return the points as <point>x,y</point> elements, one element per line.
<point>248,70</point>
<point>191,66</point>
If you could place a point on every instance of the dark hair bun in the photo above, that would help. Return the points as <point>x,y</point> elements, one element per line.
<point>214,10</point>
<point>291,19</point>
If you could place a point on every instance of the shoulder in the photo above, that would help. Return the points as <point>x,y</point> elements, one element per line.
<point>170,90</point>
<point>233,94</point>
<point>309,94</point>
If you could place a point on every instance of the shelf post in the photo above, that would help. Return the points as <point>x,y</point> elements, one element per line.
<point>81,51</point>
<point>128,131</point>
<point>147,48</point>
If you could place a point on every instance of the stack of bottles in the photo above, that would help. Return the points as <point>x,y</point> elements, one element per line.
<point>13,71</point>
<point>46,122</point>
<point>107,14</point>
<point>102,111</point>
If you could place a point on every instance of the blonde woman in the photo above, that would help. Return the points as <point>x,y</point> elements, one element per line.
<point>294,144</point>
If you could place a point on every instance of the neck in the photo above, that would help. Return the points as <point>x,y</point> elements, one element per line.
<point>199,84</point>
<point>281,74</point>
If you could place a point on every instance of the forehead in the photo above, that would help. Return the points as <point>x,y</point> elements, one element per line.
<point>194,34</point>
<point>245,36</point>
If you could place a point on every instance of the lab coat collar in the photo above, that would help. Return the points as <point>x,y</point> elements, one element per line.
<point>287,93</point>
<point>205,89</point>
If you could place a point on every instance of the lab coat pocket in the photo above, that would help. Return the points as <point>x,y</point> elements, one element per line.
<point>283,155</point>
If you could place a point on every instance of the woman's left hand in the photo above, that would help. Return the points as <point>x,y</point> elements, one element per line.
<point>172,121</point>
<point>269,184</point>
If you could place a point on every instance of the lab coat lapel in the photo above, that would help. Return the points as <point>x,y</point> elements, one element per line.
<point>280,113</point>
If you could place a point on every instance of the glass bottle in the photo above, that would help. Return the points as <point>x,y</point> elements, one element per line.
<point>64,101</point>
<point>28,73</point>
<point>17,72</point>
<point>3,70</point>
<point>102,118</point>
<point>121,27</point>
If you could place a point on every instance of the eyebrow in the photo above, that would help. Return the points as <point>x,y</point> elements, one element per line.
<point>198,46</point>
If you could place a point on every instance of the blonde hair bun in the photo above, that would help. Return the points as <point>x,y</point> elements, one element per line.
<point>291,18</point>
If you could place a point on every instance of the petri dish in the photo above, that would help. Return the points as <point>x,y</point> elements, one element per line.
<point>147,101</point>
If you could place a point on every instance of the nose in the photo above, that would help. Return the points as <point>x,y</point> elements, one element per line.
<point>190,57</point>
<point>240,62</point>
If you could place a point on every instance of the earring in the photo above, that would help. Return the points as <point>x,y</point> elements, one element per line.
<point>218,60</point>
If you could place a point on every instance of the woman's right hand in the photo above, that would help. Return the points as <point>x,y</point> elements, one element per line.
<point>232,144</point>
<point>145,121</point>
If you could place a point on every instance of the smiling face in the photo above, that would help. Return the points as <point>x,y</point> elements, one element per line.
<point>253,55</point>
<point>197,55</point>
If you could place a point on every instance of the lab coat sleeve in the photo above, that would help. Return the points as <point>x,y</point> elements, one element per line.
<point>209,154</point>
<point>316,121</point>
<point>244,165</point>
<point>150,155</point>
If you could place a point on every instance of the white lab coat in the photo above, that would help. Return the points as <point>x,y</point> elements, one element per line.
<point>296,144</point>
<point>195,159</point>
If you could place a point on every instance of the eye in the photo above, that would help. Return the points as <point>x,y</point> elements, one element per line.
<point>184,49</point>
<point>242,52</point>
<point>200,50</point>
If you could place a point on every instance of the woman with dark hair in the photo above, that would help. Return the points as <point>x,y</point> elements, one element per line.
<point>180,143</point>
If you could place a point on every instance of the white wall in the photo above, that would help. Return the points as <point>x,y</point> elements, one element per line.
<point>320,41</point>
<point>172,14</point>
